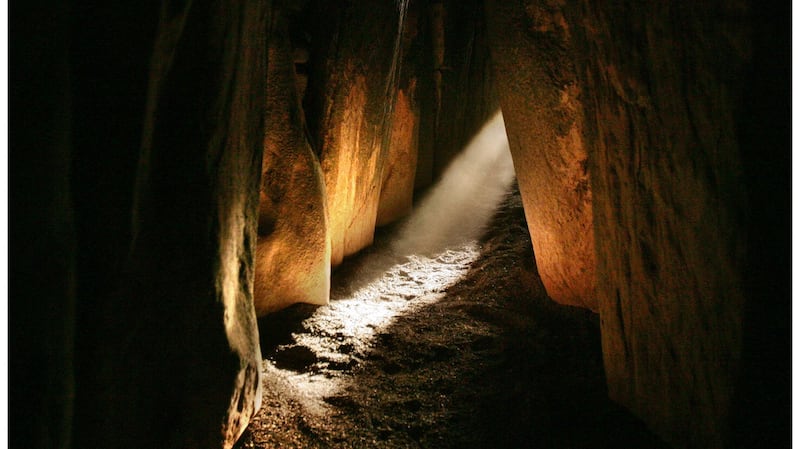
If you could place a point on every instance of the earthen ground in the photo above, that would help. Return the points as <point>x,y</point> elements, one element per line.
<point>487,362</point>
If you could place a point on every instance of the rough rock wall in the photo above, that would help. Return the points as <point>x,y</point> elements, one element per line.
<point>350,100</point>
<point>541,100</point>
<point>662,87</point>
<point>41,238</point>
<point>294,247</point>
<point>387,111</point>
<point>445,96</point>
<point>397,187</point>
<point>173,357</point>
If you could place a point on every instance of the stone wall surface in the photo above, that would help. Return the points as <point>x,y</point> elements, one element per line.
<point>350,99</point>
<point>399,173</point>
<point>661,84</point>
<point>178,355</point>
<point>541,100</point>
<point>397,188</point>
<point>294,247</point>
<point>464,83</point>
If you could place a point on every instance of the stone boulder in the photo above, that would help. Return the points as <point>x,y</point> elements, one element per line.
<point>178,361</point>
<point>541,101</point>
<point>294,247</point>
<point>661,88</point>
<point>349,100</point>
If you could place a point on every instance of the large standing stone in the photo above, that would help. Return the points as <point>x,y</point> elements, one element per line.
<point>540,97</point>
<point>661,84</point>
<point>397,187</point>
<point>351,88</point>
<point>182,367</point>
<point>294,248</point>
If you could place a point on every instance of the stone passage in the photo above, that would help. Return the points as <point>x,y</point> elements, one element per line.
<point>439,352</point>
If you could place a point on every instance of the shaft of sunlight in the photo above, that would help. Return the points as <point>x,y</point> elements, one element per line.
<point>433,249</point>
<point>436,245</point>
<point>456,210</point>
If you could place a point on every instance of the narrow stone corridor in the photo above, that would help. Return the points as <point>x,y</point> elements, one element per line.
<point>182,174</point>
<point>451,351</point>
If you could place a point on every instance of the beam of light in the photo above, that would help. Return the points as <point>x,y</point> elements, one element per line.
<point>433,249</point>
<point>463,201</point>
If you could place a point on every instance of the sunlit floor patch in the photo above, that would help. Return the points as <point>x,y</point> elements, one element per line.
<point>336,337</point>
<point>356,316</point>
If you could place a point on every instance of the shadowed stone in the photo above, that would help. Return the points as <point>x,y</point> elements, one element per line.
<point>182,367</point>
<point>669,199</point>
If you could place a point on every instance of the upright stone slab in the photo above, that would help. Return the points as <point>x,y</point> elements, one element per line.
<point>294,247</point>
<point>182,368</point>
<point>541,100</point>
<point>400,168</point>
<point>350,99</point>
<point>662,87</point>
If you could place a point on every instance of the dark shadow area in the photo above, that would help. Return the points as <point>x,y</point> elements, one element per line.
<point>493,364</point>
<point>762,410</point>
<point>277,328</point>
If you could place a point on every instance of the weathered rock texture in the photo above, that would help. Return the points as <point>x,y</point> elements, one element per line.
<point>387,111</point>
<point>662,87</point>
<point>540,97</point>
<point>445,95</point>
<point>197,356</point>
<point>169,351</point>
<point>397,188</point>
<point>294,247</point>
<point>352,88</point>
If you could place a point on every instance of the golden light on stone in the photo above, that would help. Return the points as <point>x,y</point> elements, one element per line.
<point>431,251</point>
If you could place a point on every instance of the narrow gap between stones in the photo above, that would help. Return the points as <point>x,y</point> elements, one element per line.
<point>441,335</point>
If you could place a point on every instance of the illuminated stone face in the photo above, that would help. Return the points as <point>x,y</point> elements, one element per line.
<point>351,162</point>
<point>540,97</point>
<point>356,66</point>
<point>397,189</point>
<point>293,251</point>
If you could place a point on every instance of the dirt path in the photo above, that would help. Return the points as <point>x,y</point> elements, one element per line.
<point>459,349</point>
